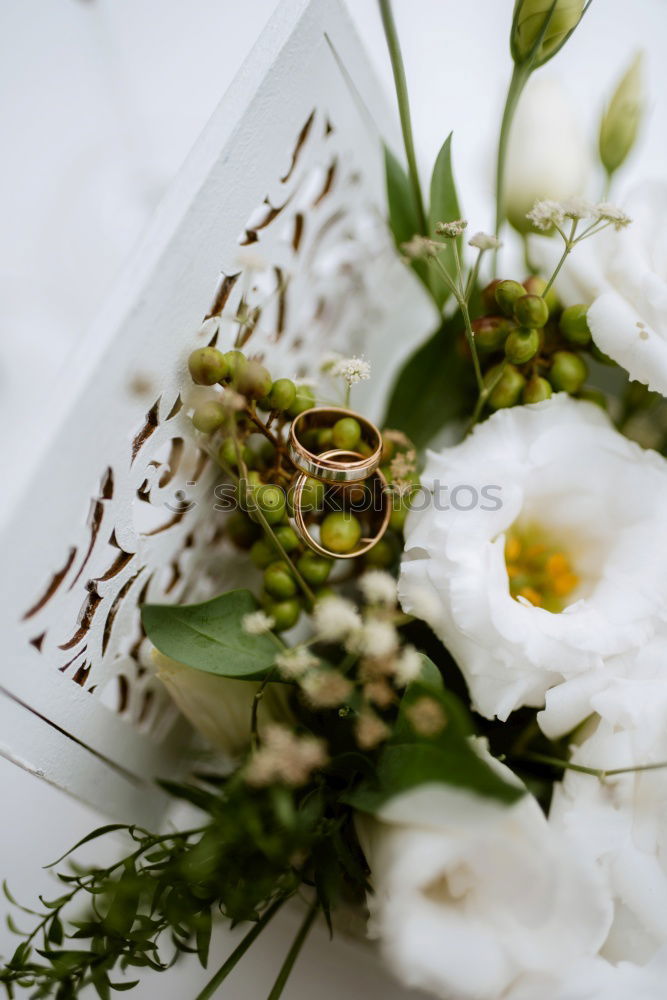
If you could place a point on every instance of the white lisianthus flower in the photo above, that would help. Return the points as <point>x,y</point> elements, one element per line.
<point>624,276</point>
<point>542,505</point>
<point>473,898</point>
<point>620,823</point>
<point>547,157</point>
<point>219,707</point>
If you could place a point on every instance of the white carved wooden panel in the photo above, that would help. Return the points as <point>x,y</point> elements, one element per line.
<point>272,234</point>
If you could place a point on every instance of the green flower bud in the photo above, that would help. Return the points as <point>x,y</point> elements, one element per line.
<point>594,396</point>
<point>531,310</point>
<point>507,292</point>
<point>490,332</point>
<point>284,613</point>
<point>346,433</point>
<point>303,400</point>
<point>340,532</point>
<point>574,325</point>
<point>535,285</point>
<point>271,502</point>
<point>228,455</point>
<point>236,362</point>
<point>241,530</point>
<point>253,380</point>
<point>279,582</point>
<point>313,568</point>
<point>508,389</point>
<point>620,122</point>
<point>209,416</point>
<point>312,497</point>
<point>568,371</point>
<point>287,537</point>
<point>207,365</point>
<point>537,389</point>
<point>262,553</point>
<point>282,395</point>
<point>530,18</point>
<point>489,296</point>
<point>522,345</point>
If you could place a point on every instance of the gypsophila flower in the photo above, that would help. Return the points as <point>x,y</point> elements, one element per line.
<point>577,209</point>
<point>378,587</point>
<point>370,730</point>
<point>484,241</point>
<point>353,370</point>
<point>545,213</point>
<point>326,688</point>
<point>408,666</point>
<point>421,246</point>
<point>380,693</point>
<point>606,212</point>
<point>257,623</point>
<point>451,229</point>
<point>426,717</point>
<point>294,663</point>
<point>285,756</point>
<point>374,638</point>
<point>334,618</point>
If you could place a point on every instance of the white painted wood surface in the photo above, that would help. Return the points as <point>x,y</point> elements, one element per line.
<point>278,213</point>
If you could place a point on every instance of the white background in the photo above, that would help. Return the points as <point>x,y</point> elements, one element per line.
<point>100,101</point>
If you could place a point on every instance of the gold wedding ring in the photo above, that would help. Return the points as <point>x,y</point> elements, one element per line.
<point>330,467</point>
<point>379,485</point>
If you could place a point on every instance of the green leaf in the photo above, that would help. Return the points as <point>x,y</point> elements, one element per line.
<point>203,936</point>
<point>99,832</point>
<point>123,987</point>
<point>210,636</point>
<point>434,387</point>
<point>402,210</point>
<point>443,207</point>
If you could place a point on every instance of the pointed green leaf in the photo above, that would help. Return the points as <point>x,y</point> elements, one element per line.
<point>101,831</point>
<point>402,210</point>
<point>210,636</point>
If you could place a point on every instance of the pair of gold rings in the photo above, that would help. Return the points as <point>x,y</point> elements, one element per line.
<point>352,477</point>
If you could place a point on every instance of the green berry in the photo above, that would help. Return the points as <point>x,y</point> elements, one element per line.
<point>262,553</point>
<point>574,325</point>
<point>207,366</point>
<point>522,345</point>
<point>340,532</point>
<point>506,293</point>
<point>313,568</point>
<point>388,450</point>
<point>490,332</point>
<point>531,311</point>
<point>287,537</point>
<point>383,554</point>
<point>279,582</point>
<point>304,399</point>
<point>282,395</point>
<point>236,362</point>
<point>228,455</point>
<point>284,613</point>
<point>537,389</point>
<point>568,371</point>
<point>399,512</point>
<point>346,433</point>
<point>535,285</point>
<point>508,389</point>
<point>594,396</point>
<point>209,416</point>
<point>489,296</point>
<point>322,592</point>
<point>271,502</point>
<point>241,530</point>
<point>253,380</point>
<point>312,497</point>
<point>324,438</point>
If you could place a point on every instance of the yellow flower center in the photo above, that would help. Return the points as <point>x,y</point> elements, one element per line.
<point>538,569</point>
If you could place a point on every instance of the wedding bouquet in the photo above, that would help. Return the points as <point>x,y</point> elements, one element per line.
<point>440,703</point>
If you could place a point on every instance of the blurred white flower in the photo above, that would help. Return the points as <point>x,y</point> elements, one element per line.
<point>219,707</point>
<point>257,623</point>
<point>547,156</point>
<point>473,898</point>
<point>572,525</point>
<point>378,587</point>
<point>334,618</point>
<point>624,276</point>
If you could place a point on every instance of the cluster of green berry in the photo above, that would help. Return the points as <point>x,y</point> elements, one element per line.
<point>246,419</point>
<point>542,345</point>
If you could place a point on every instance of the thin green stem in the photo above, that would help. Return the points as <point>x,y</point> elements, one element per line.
<point>254,713</point>
<point>459,294</point>
<point>520,75</point>
<point>400,83</point>
<point>238,953</point>
<point>483,396</point>
<point>566,253</point>
<point>596,772</point>
<point>293,953</point>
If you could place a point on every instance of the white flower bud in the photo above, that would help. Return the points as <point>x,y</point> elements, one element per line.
<point>620,122</point>
<point>546,157</point>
